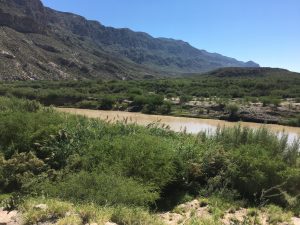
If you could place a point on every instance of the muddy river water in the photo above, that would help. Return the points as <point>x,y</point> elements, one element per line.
<point>179,124</point>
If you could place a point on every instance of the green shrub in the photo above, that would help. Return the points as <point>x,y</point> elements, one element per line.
<point>103,188</point>
<point>154,103</point>
<point>232,109</point>
<point>17,170</point>
<point>295,122</point>
<point>277,215</point>
<point>88,104</point>
<point>106,103</point>
<point>24,129</point>
<point>90,160</point>
<point>185,99</point>
<point>238,135</point>
<point>14,105</point>
<point>270,101</point>
<point>143,157</point>
<point>132,216</point>
<point>164,109</point>
<point>206,163</point>
<point>54,209</point>
<point>255,170</point>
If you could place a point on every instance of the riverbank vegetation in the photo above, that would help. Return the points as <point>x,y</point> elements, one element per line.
<point>138,170</point>
<point>270,99</point>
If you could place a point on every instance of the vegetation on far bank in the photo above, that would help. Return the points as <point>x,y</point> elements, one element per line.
<point>46,154</point>
<point>201,96</point>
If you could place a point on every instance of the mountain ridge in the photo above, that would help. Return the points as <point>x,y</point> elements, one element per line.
<point>79,48</point>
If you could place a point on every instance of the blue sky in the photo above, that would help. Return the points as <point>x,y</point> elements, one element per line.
<point>265,31</point>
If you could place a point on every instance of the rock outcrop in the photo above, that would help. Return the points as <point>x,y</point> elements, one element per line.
<point>10,218</point>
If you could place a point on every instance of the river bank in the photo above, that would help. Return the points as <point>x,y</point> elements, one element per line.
<point>270,99</point>
<point>284,112</point>
<point>180,124</point>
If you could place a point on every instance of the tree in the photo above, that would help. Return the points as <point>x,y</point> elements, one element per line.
<point>185,98</point>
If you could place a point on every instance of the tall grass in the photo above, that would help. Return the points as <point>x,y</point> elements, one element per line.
<point>277,144</point>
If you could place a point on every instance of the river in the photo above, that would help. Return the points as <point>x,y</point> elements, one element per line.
<point>179,124</point>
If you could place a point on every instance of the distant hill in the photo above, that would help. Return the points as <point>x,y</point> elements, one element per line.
<point>251,72</point>
<point>37,42</point>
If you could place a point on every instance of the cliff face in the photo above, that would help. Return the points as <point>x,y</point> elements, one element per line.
<point>47,44</point>
<point>24,16</point>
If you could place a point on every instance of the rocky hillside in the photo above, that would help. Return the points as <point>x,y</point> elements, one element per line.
<point>40,43</point>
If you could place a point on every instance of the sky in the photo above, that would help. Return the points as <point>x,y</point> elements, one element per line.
<point>265,31</point>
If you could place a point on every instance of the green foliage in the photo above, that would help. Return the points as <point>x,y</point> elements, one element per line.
<point>102,189</point>
<point>250,175</point>
<point>277,215</point>
<point>152,104</point>
<point>133,216</point>
<point>88,160</point>
<point>205,164</point>
<point>17,105</point>
<point>293,122</point>
<point>185,98</point>
<point>143,157</point>
<point>164,109</point>
<point>66,213</point>
<point>18,169</point>
<point>88,104</point>
<point>261,165</point>
<point>106,103</point>
<point>24,128</point>
<point>270,101</point>
<point>232,109</point>
<point>238,135</point>
<point>33,215</point>
<point>148,95</point>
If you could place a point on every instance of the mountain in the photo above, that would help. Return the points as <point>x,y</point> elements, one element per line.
<point>37,42</point>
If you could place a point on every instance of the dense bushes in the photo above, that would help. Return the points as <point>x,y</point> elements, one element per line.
<point>232,110</point>
<point>17,170</point>
<point>213,96</point>
<point>293,122</point>
<point>250,175</point>
<point>152,163</point>
<point>270,101</point>
<point>103,188</point>
<point>148,93</point>
<point>80,159</point>
<point>148,104</point>
<point>260,163</point>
